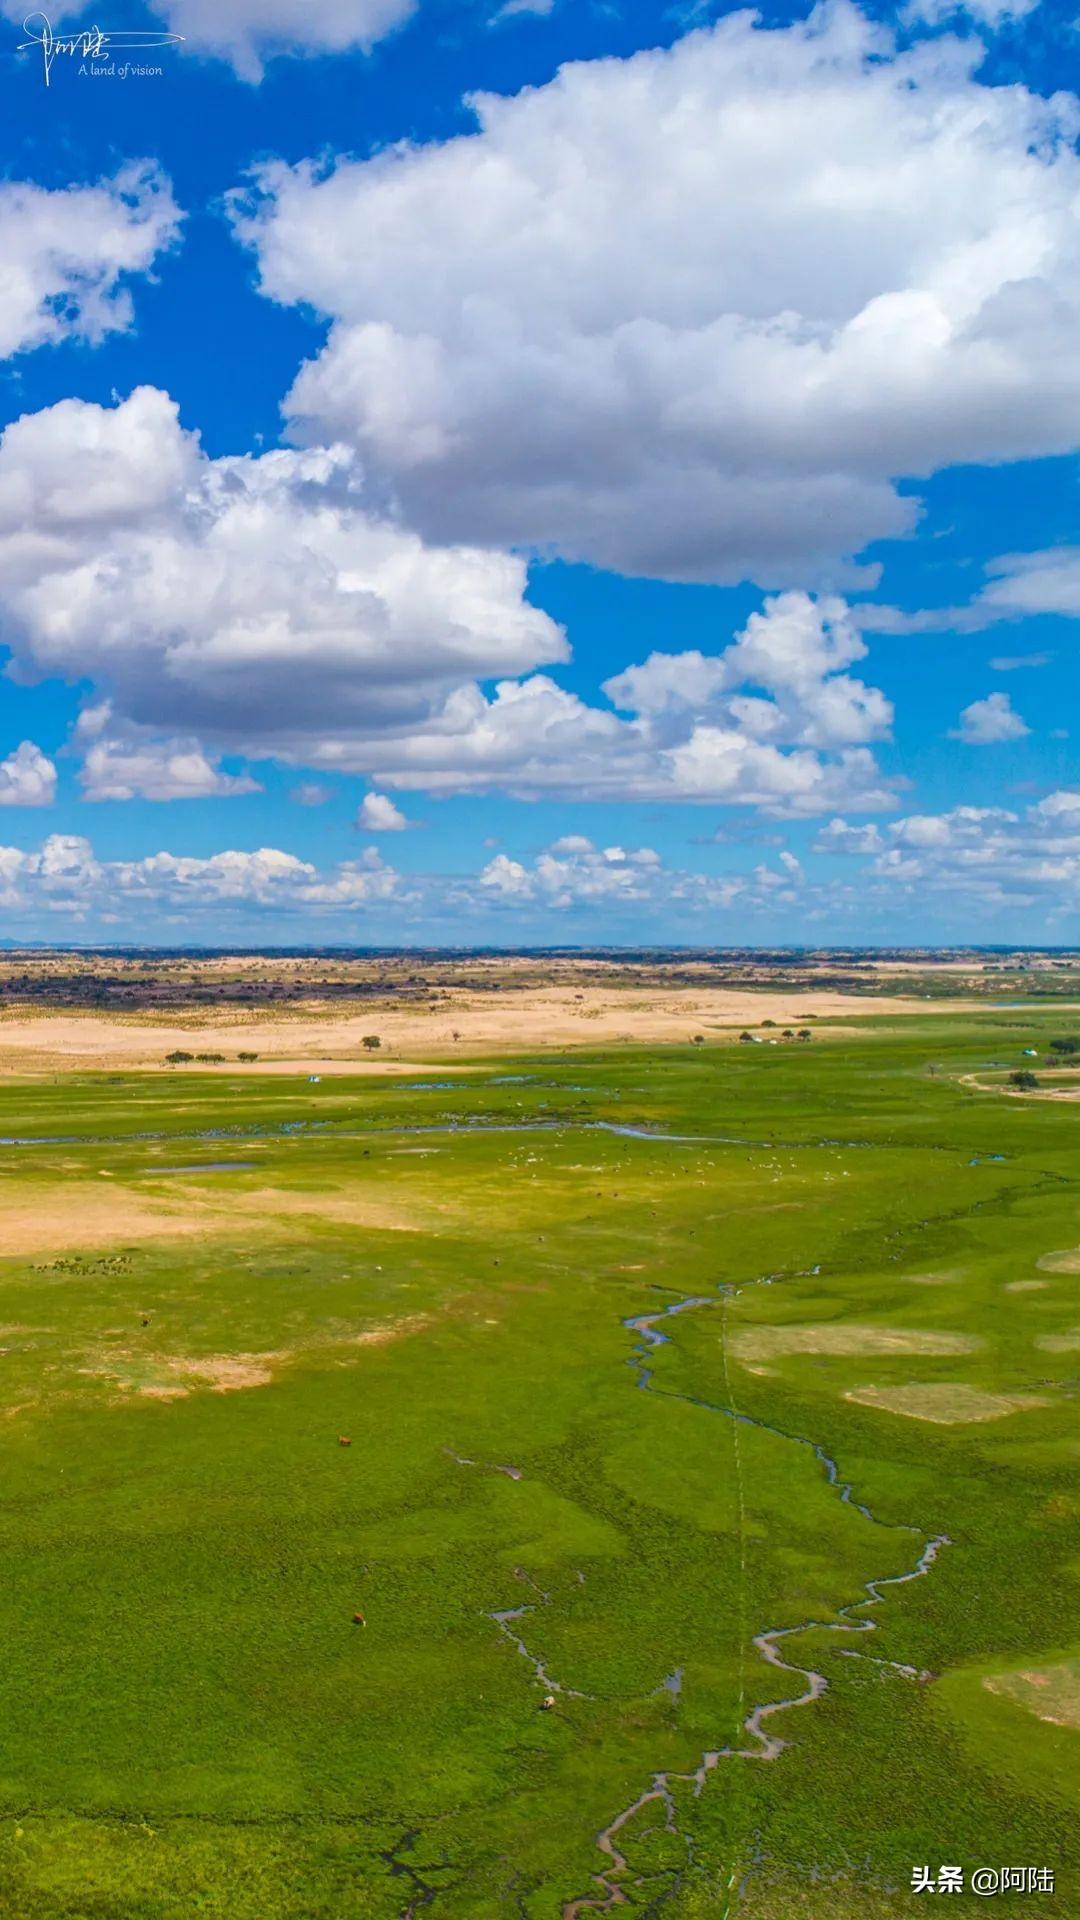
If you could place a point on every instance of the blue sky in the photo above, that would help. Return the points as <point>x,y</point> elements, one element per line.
<point>571,474</point>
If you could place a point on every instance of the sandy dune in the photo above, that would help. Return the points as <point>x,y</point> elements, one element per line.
<point>418,1039</point>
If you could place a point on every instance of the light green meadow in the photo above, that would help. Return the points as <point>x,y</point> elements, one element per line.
<point>652,1424</point>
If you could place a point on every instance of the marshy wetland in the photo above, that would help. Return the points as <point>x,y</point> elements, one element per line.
<point>723,1398</point>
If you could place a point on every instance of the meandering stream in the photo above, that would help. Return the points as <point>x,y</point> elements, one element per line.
<point>303,1130</point>
<point>761,1743</point>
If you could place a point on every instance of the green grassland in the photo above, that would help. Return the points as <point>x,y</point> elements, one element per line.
<point>191,1720</point>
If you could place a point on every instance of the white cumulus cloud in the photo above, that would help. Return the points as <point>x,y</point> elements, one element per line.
<point>987,722</point>
<point>255,603</point>
<point>693,313</point>
<point>377,813</point>
<point>157,770</point>
<point>27,778</point>
<point>65,875</point>
<point>772,721</point>
<point>988,856</point>
<point>263,607</point>
<point>69,252</point>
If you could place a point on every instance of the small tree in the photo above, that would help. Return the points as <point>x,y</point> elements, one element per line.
<point>1025,1080</point>
<point>789,1033</point>
<point>699,1039</point>
<point>247,1056</point>
<point>371,1041</point>
<point>805,1034</point>
<point>178,1058</point>
<point>1069,1045</point>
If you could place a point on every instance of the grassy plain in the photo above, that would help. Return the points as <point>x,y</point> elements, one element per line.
<point>562,1480</point>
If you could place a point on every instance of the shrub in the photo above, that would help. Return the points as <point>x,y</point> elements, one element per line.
<point>179,1057</point>
<point>1024,1079</point>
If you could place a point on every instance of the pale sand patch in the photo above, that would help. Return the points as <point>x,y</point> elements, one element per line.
<point>1067,1261</point>
<point>1051,1693</point>
<point>355,1209</point>
<point>933,1279</point>
<point>768,1343</point>
<point>228,1372</point>
<point>945,1404</point>
<point>235,1372</point>
<point>1042,1092</point>
<point>1068,1342</point>
<point>81,1215</point>
<point>310,1038</point>
<point>391,1330</point>
<point>1025,1286</point>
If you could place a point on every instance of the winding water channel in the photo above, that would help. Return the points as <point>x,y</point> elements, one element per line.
<point>303,1130</point>
<point>761,1743</point>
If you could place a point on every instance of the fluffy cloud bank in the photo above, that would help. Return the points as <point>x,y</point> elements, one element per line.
<point>67,254</point>
<point>253,600</point>
<point>945,867</point>
<point>574,874</point>
<point>264,607</point>
<point>771,721</point>
<point>64,875</point>
<point>692,313</point>
<point>573,869</point>
<point>987,855</point>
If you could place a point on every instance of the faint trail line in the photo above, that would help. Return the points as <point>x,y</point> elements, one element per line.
<point>740,1496</point>
<point>610,1881</point>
